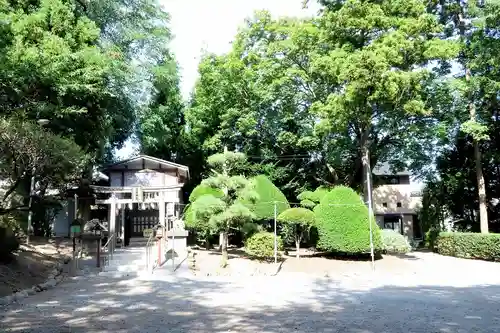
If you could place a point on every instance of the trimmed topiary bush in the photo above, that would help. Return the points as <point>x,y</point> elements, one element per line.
<point>297,222</point>
<point>261,245</point>
<point>310,199</point>
<point>394,242</point>
<point>268,193</point>
<point>469,245</point>
<point>203,189</point>
<point>342,222</point>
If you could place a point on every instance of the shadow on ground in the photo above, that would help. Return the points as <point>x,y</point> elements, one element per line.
<point>257,305</point>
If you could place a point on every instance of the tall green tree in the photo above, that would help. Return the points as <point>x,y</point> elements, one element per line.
<point>27,150</point>
<point>475,87</point>
<point>227,212</point>
<point>376,62</point>
<point>246,100</point>
<point>347,90</point>
<point>52,68</point>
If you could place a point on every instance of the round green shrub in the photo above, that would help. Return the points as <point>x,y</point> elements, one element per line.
<point>342,222</point>
<point>261,245</point>
<point>299,216</point>
<point>394,242</point>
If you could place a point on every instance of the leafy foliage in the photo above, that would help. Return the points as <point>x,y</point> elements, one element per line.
<point>394,242</point>
<point>249,229</point>
<point>469,245</point>
<point>310,199</point>
<point>268,195</point>
<point>342,221</point>
<point>201,190</point>
<point>26,150</point>
<point>220,214</point>
<point>261,245</point>
<point>298,222</point>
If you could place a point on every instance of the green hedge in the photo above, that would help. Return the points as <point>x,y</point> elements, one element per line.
<point>261,245</point>
<point>394,242</point>
<point>469,245</point>
<point>342,222</point>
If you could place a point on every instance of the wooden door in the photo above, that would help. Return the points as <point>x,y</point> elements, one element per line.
<point>142,219</point>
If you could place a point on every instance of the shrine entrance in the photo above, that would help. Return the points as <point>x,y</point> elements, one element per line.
<point>138,220</point>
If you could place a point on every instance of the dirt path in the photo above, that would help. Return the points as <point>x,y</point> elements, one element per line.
<point>32,264</point>
<point>291,302</point>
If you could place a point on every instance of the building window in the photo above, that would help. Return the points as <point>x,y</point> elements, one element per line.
<point>384,204</point>
<point>392,222</point>
<point>394,180</point>
<point>398,204</point>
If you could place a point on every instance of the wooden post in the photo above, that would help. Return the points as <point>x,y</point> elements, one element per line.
<point>122,226</point>
<point>112,224</point>
<point>161,209</point>
<point>99,253</point>
<point>159,251</point>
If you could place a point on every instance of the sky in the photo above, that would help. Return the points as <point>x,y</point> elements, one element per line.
<point>200,26</point>
<point>210,26</point>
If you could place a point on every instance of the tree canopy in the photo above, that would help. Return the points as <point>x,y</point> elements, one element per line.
<point>83,66</point>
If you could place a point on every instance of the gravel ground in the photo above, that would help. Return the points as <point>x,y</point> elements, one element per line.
<point>434,300</point>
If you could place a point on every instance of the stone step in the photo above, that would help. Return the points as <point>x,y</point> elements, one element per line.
<point>118,274</point>
<point>127,254</point>
<point>126,267</point>
<point>125,260</point>
<point>136,241</point>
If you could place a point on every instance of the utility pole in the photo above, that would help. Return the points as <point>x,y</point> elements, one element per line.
<point>370,214</point>
<point>225,173</point>
<point>275,237</point>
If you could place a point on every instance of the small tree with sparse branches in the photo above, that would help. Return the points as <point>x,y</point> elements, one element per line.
<point>298,223</point>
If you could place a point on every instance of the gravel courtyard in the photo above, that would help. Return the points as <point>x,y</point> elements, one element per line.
<point>438,300</point>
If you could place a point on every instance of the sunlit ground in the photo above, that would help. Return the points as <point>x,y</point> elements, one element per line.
<point>440,300</point>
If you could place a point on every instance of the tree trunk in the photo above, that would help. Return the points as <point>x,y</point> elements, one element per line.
<point>207,244</point>
<point>367,172</point>
<point>221,240</point>
<point>225,256</point>
<point>481,187</point>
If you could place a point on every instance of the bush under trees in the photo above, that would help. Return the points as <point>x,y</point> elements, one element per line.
<point>394,242</point>
<point>469,245</point>
<point>261,245</point>
<point>342,222</point>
